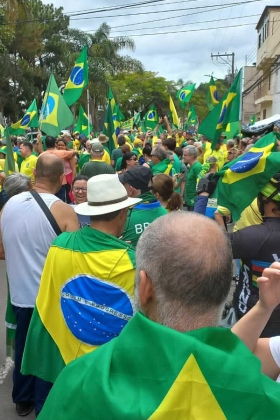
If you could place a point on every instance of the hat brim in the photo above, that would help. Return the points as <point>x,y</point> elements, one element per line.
<point>86,210</point>
<point>103,141</point>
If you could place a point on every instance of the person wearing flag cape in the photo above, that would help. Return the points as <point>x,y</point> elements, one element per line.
<point>171,362</point>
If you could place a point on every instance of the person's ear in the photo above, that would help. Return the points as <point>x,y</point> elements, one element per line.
<point>145,291</point>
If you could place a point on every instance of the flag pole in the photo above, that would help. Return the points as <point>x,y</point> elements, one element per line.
<point>88,113</point>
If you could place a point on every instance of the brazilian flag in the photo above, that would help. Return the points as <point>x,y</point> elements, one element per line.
<point>225,112</point>
<point>83,125</point>
<point>242,179</point>
<point>151,118</point>
<point>55,114</point>
<point>152,372</point>
<point>78,79</point>
<point>30,119</point>
<point>112,124</point>
<point>184,95</point>
<point>81,305</point>
<point>192,117</point>
<point>212,95</point>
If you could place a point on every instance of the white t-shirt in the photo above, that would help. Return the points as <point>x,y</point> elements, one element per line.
<point>274,345</point>
<point>27,236</point>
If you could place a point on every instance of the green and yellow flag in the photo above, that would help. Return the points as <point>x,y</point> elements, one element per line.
<point>253,119</point>
<point>55,114</point>
<point>151,118</point>
<point>212,95</point>
<point>152,372</point>
<point>185,94</point>
<point>192,117</point>
<point>30,119</point>
<point>242,179</point>
<point>173,114</point>
<point>76,311</point>
<point>78,79</point>
<point>232,130</point>
<point>137,119</point>
<point>83,125</point>
<point>225,112</point>
<point>112,125</point>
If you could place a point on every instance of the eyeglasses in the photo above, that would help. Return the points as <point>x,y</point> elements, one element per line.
<point>77,189</point>
<point>133,159</point>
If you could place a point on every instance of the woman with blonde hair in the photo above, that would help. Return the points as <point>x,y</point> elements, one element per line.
<point>163,189</point>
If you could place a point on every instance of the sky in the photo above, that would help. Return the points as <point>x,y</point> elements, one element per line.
<point>186,54</point>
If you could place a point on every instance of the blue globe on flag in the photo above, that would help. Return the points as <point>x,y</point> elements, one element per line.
<point>77,75</point>
<point>223,113</point>
<point>248,162</point>
<point>49,107</point>
<point>151,115</point>
<point>216,95</point>
<point>25,120</point>
<point>182,95</point>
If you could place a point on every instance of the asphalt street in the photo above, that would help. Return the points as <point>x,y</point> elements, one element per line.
<point>7,408</point>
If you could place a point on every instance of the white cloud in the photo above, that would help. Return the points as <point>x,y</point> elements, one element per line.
<point>183,55</point>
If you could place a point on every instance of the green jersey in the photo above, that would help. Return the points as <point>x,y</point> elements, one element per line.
<point>142,215</point>
<point>191,183</point>
<point>96,167</point>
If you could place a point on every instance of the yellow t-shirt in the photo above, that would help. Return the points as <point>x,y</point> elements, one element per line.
<point>106,157</point>
<point>28,165</point>
<point>219,154</point>
<point>249,217</point>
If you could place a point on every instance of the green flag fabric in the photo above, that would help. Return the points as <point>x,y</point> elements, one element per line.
<point>151,118</point>
<point>55,114</point>
<point>192,117</point>
<point>201,374</point>
<point>243,178</point>
<point>9,166</point>
<point>78,79</point>
<point>30,119</point>
<point>212,95</point>
<point>225,112</point>
<point>184,95</point>
<point>137,119</point>
<point>112,122</point>
<point>83,126</point>
<point>233,129</point>
<point>253,120</point>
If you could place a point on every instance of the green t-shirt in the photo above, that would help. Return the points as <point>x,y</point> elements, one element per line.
<point>142,215</point>
<point>96,167</point>
<point>84,158</point>
<point>118,164</point>
<point>191,183</point>
<point>116,153</point>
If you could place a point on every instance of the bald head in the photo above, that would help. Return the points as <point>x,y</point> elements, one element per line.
<point>49,168</point>
<point>190,271</point>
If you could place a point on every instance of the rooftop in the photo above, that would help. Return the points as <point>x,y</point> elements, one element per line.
<point>264,13</point>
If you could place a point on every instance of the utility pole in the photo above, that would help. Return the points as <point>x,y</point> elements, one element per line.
<point>232,55</point>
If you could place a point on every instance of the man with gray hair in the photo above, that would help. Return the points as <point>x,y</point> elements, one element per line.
<point>161,162</point>
<point>171,361</point>
<point>190,154</point>
<point>96,166</point>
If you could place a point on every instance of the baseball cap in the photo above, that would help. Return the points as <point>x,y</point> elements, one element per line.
<point>211,160</point>
<point>137,177</point>
<point>97,147</point>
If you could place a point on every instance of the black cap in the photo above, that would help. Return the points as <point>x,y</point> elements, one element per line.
<point>137,177</point>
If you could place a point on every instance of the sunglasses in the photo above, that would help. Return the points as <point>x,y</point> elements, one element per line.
<point>76,189</point>
<point>133,159</point>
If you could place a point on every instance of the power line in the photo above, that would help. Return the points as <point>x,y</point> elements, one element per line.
<point>133,14</point>
<point>190,30</point>
<point>189,23</point>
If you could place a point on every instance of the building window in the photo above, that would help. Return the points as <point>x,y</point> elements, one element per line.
<point>269,81</point>
<point>264,114</point>
<point>263,32</point>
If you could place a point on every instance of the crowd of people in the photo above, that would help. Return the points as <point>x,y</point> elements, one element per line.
<point>116,268</point>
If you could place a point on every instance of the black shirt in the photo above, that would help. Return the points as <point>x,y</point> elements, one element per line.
<point>258,247</point>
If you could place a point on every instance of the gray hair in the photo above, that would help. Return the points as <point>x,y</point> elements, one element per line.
<point>160,152</point>
<point>230,143</point>
<point>16,183</point>
<point>192,150</point>
<point>191,270</point>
